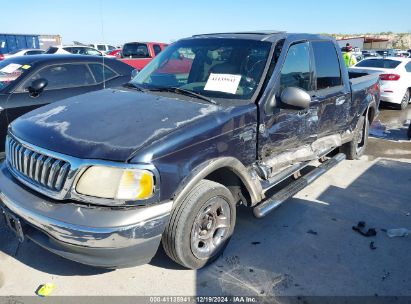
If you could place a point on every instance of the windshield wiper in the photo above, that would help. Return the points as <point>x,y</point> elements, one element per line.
<point>133,86</point>
<point>183,92</point>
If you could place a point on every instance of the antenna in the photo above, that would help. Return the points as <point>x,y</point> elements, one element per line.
<point>104,42</point>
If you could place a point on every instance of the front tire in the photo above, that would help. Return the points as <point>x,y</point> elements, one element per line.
<point>356,147</point>
<point>405,100</point>
<point>201,225</point>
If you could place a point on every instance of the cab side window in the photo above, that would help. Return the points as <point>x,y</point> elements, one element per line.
<point>408,67</point>
<point>296,69</point>
<point>157,49</point>
<point>327,67</point>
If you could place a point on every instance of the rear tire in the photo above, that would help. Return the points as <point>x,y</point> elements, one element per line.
<point>405,100</point>
<point>201,225</point>
<point>356,147</point>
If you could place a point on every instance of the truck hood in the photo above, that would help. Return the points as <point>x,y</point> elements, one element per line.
<point>109,124</point>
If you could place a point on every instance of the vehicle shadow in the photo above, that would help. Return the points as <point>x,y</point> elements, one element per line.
<point>308,247</point>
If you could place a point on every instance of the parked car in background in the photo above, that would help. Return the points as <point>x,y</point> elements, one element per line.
<point>24,52</point>
<point>106,48</point>
<point>386,53</point>
<point>369,53</point>
<point>169,157</point>
<point>116,53</point>
<point>139,54</point>
<point>74,49</point>
<point>28,82</point>
<point>403,54</point>
<point>395,75</point>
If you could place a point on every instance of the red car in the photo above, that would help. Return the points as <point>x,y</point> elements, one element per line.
<point>116,53</point>
<point>139,54</point>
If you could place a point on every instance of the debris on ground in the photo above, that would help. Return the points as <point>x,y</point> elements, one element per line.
<point>45,289</point>
<point>407,214</point>
<point>398,232</point>
<point>255,243</point>
<point>372,246</point>
<point>312,232</point>
<point>386,275</point>
<point>360,229</point>
<point>232,260</point>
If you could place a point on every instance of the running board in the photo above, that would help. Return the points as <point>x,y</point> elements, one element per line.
<point>281,196</point>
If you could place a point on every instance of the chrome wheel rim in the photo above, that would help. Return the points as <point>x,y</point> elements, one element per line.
<point>405,100</point>
<point>210,228</point>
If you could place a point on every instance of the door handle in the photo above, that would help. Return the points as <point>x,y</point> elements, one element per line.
<point>340,100</point>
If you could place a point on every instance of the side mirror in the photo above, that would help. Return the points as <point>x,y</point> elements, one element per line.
<point>37,86</point>
<point>134,73</point>
<point>295,98</point>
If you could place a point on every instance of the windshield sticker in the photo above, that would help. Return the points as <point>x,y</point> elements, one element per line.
<point>26,67</point>
<point>226,83</point>
<point>10,68</point>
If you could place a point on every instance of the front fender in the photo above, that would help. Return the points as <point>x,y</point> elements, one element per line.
<point>249,180</point>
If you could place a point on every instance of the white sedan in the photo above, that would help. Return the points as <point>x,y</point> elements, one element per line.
<point>75,49</point>
<point>24,52</point>
<point>395,75</point>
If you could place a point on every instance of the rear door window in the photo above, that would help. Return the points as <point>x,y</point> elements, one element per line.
<point>61,76</point>
<point>101,74</point>
<point>408,67</point>
<point>34,52</point>
<point>327,65</point>
<point>296,69</point>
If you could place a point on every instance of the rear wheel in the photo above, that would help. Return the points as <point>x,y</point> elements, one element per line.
<point>356,147</point>
<point>405,100</point>
<point>201,225</point>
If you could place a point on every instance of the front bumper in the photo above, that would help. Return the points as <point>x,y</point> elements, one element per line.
<point>98,236</point>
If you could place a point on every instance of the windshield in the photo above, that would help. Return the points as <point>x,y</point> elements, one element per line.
<point>379,63</point>
<point>51,50</point>
<point>216,68</point>
<point>10,72</point>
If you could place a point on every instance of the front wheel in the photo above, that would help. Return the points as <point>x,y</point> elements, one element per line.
<point>201,225</point>
<point>356,147</point>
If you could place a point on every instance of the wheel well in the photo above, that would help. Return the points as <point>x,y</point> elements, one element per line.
<point>229,179</point>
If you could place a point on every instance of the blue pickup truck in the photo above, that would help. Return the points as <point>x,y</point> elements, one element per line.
<point>214,121</point>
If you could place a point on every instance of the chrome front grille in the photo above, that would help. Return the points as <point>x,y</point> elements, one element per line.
<point>39,169</point>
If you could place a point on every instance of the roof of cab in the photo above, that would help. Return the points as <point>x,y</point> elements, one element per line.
<point>270,35</point>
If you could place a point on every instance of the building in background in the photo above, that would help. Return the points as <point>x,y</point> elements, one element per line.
<point>49,40</point>
<point>365,43</point>
<point>13,42</point>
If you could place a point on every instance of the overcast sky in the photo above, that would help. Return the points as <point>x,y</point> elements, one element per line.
<point>117,22</point>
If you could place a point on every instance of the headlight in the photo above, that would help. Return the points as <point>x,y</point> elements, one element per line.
<point>116,183</point>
